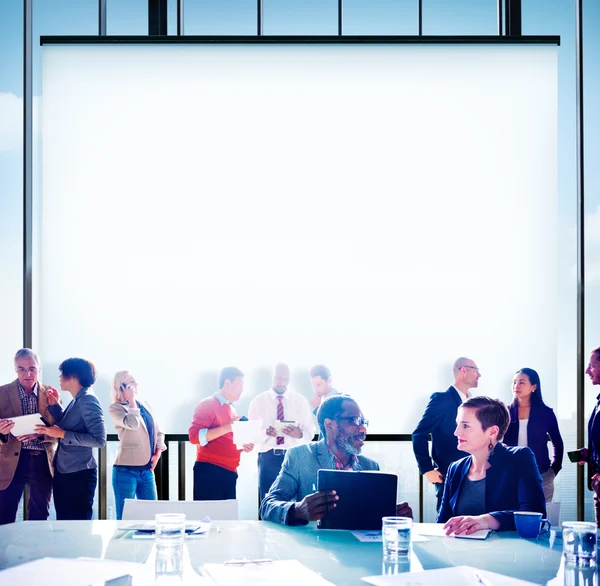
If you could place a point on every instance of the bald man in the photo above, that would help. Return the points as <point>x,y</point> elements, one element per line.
<point>275,405</point>
<point>439,420</point>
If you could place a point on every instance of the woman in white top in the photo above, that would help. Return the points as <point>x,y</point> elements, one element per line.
<point>531,422</point>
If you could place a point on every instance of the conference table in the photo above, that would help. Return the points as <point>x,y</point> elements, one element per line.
<point>337,555</point>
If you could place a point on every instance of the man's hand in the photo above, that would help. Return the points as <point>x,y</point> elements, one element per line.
<point>584,456</point>
<point>53,431</point>
<point>154,461</point>
<point>6,426</point>
<point>403,510</point>
<point>292,431</point>
<point>315,506</point>
<point>434,476</point>
<point>271,431</point>
<point>28,437</point>
<point>52,396</point>
<point>247,447</point>
<point>468,525</point>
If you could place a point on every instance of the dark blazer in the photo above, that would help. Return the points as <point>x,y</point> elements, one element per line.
<point>593,442</point>
<point>298,478</point>
<point>512,483</point>
<point>439,420</point>
<point>83,422</point>
<point>542,423</point>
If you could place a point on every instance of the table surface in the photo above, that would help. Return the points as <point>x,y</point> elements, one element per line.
<point>337,555</point>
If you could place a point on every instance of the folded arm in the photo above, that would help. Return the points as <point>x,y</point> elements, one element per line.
<point>93,418</point>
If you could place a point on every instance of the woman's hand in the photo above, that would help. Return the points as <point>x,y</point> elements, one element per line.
<point>468,525</point>
<point>53,431</point>
<point>52,396</point>
<point>154,460</point>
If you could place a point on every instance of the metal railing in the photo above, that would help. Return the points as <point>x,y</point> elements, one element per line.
<point>162,468</point>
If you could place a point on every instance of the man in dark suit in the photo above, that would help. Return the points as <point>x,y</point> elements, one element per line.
<point>591,454</point>
<point>439,420</point>
<point>25,460</point>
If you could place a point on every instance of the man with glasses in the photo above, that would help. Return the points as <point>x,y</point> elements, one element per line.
<point>25,460</point>
<point>279,404</point>
<point>439,420</point>
<point>293,498</point>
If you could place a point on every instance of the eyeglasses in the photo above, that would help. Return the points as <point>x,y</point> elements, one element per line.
<point>356,421</point>
<point>472,368</point>
<point>30,370</point>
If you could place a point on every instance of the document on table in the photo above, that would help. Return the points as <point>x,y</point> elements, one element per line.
<point>264,573</point>
<point>457,576</point>
<point>247,432</point>
<point>375,536</point>
<point>25,424</point>
<point>66,572</point>
<point>437,530</point>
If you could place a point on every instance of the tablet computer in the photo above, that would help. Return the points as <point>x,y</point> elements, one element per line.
<point>365,497</point>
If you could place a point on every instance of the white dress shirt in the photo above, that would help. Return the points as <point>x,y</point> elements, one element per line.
<point>462,396</point>
<point>295,408</point>
<point>522,441</point>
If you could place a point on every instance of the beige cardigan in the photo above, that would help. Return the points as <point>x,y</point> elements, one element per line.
<point>134,444</point>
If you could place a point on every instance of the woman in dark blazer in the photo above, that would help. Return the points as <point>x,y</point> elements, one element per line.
<point>531,422</point>
<point>80,428</point>
<point>483,490</point>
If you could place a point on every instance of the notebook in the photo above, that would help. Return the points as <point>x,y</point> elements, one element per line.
<point>364,498</point>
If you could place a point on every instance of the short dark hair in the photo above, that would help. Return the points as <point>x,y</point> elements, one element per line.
<point>320,370</point>
<point>331,408</point>
<point>490,412</point>
<point>81,369</point>
<point>596,351</point>
<point>229,373</point>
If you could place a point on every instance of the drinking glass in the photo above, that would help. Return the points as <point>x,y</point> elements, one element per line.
<point>169,539</point>
<point>396,536</point>
<point>579,543</point>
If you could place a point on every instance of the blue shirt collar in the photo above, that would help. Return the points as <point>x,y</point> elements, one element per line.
<point>222,400</point>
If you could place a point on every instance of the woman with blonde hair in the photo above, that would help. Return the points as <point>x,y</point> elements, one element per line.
<point>141,442</point>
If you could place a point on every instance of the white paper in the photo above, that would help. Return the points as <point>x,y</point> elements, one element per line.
<point>66,572</point>
<point>457,576</point>
<point>375,536</point>
<point>437,530</point>
<point>24,424</point>
<point>247,432</point>
<point>275,573</point>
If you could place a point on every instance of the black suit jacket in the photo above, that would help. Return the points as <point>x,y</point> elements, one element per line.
<point>593,442</point>
<point>439,420</point>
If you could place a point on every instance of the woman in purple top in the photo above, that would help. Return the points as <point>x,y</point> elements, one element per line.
<point>531,422</point>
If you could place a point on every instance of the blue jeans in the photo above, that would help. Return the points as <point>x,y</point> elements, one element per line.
<point>129,483</point>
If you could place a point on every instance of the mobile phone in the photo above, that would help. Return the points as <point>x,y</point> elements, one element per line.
<point>575,456</point>
<point>122,387</point>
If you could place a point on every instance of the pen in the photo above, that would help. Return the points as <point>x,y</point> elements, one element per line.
<point>243,562</point>
<point>482,580</point>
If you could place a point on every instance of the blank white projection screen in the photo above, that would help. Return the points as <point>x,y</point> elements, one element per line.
<point>381,209</point>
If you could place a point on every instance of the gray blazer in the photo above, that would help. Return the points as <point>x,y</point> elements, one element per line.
<point>83,422</point>
<point>298,478</point>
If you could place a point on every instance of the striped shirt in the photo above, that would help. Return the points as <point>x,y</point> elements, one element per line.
<point>29,406</point>
<point>351,465</point>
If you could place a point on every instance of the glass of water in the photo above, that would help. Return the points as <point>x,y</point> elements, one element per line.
<point>169,539</point>
<point>579,543</point>
<point>396,536</point>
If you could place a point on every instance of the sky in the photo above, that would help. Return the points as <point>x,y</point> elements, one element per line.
<point>316,17</point>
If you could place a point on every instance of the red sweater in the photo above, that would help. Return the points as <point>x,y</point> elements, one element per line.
<point>221,451</point>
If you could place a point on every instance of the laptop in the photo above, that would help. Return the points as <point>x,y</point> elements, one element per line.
<point>365,497</point>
